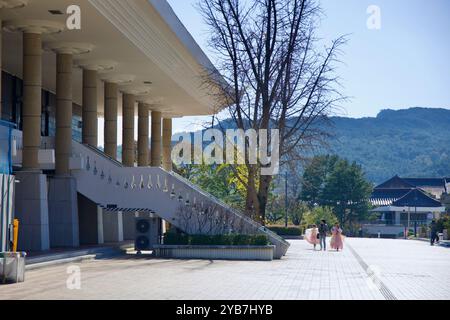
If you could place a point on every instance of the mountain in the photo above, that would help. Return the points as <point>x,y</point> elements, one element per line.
<point>411,143</point>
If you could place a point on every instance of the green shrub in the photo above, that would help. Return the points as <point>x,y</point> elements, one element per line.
<point>199,240</point>
<point>176,239</point>
<point>283,231</point>
<point>217,240</point>
<point>443,223</point>
<point>260,240</point>
<point>242,240</point>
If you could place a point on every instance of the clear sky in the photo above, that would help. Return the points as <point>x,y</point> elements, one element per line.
<point>404,64</point>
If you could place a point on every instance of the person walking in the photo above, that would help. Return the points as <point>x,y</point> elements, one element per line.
<point>312,235</point>
<point>337,239</point>
<point>434,232</point>
<point>323,230</point>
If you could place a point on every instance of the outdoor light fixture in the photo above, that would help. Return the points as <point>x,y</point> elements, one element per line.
<point>150,183</point>
<point>180,198</point>
<point>172,195</point>
<point>188,202</point>
<point>158,182</point>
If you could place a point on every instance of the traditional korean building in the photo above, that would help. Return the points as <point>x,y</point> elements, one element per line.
<point>406,203</point>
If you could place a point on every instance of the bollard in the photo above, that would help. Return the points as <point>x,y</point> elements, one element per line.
<point>15,235</point>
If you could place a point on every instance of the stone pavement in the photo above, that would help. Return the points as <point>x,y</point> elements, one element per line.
<point>410,269</point>
<point>371,270</point>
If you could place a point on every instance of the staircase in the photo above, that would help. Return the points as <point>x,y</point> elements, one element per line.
<point>173,198</point>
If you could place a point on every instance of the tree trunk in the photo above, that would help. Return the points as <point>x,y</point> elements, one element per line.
<point>252,204</point>
<point>263,194</point>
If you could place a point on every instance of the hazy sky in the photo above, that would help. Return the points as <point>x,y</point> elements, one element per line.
<point>404,64</point>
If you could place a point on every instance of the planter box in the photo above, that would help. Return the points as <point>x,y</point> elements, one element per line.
<point>258,253</point>
<point>292,237</point>
<point>12,267</point>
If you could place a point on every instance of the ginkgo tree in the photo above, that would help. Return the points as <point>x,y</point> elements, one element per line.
<point>278,75</point>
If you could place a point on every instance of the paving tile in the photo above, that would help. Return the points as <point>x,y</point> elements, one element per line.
<point>407,269</point>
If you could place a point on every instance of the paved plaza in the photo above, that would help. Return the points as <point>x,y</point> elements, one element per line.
<point>368,269</point>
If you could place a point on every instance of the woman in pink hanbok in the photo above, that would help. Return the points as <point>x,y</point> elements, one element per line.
<point>337,239</point>
<point>311,235</point>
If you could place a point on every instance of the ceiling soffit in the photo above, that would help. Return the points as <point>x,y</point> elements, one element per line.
<point>152,37</point>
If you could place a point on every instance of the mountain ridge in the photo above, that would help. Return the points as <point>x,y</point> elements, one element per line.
<point>411,142</point>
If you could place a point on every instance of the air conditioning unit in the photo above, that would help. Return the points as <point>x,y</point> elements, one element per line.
<point>148,233</point>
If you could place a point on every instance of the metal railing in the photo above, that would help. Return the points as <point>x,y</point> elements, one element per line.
<point>219,202</point>
<point>130,179</point>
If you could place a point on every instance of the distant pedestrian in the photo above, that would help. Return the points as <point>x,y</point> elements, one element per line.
<point>360,232</point>
<point>323,230</point>
<point>337,239</point>
<point>434,237</point>
<point>312,235</point>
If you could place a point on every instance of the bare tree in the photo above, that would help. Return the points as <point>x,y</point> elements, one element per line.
<point>267,53</point>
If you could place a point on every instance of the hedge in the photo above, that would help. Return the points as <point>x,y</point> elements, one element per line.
<point>218,240</point>
<point>283,231</point>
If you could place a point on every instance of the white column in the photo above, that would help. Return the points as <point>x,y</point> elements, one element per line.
<point>111,111</point>
<point>143,135</point>
<point>64,100</point>
<point>156,139</point>
<point>91,70</point>
<point>128,148</point>
<point>167,144</point>
<point>90,105</point>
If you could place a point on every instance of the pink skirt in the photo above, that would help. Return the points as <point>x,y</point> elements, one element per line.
<point>337,242</point>
<point>311,236</point>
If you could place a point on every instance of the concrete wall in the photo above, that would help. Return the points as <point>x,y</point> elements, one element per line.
<point>63,212</point>
<point>112,227</point>
<point>129,225</point>
<point>392,231</point>
<point>31,208</point>
<point>90,219</point>
<point>261,253</point>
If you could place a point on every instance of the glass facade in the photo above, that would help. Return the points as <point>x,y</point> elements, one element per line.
<point>11,99</point>
<point>6,147</point>
<point>12,107</point>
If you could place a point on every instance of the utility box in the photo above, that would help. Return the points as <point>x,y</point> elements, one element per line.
<point>148,233</point>
<point>12,267</point>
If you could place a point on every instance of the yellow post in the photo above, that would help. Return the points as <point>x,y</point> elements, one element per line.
<point>15,234</point>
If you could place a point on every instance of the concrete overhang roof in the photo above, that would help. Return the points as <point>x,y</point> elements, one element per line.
<point>145,37</point>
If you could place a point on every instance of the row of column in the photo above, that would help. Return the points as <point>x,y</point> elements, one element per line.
<point>161,129</point>
<point>161,136</point>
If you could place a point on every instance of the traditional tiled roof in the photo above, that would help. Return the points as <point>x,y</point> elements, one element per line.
<point>385,197</point>
<point>426,182</point>
<point>395,189</point>
<point>417,198</point>
<point>395,183</point>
